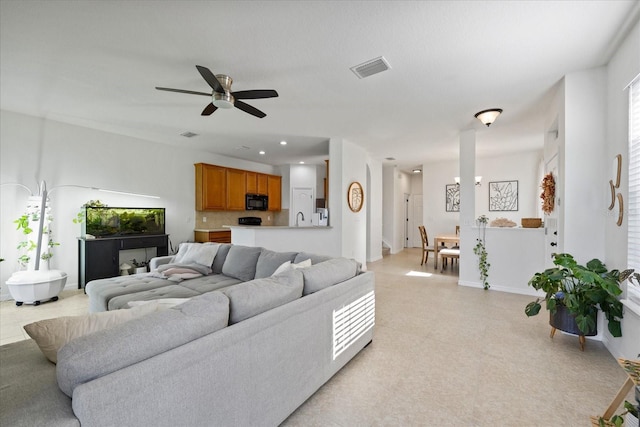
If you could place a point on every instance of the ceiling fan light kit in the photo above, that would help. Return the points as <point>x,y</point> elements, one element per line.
<point>487,117</point>
<point>222,97</point>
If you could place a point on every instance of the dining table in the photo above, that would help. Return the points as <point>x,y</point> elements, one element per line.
<point>439,240</point>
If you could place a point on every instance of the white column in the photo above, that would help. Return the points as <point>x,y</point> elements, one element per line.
<point>468,263</point>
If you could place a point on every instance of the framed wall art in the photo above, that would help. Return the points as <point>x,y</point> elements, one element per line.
<point>452,198</point>
<point>503,196</point>
<point>355,196</point>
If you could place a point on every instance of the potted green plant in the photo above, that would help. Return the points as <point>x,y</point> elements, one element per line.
<point>480,250</point>
<point>579,291</point>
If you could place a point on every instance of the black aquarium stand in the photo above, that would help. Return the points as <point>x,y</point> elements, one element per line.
<point>99,258</point>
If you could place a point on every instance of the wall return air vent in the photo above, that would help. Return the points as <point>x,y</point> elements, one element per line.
<point>371,67</point>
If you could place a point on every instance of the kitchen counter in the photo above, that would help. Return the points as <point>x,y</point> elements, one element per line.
<point>318,240</point>
<point>207,230</point>
<point>272,227</point>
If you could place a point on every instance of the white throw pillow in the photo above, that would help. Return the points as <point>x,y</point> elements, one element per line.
<point>287,265</point>
<point>52,334</point>
<point>197,253</point>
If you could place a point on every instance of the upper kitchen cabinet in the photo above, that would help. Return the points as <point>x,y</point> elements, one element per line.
<point>256,183</point>
<point>211,187</point>
<point>225,189</point>
<point>236,189</point>
<point>274,191</point>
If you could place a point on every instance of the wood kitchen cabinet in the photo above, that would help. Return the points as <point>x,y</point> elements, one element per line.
<point>219,236</point>
<point>236,189</point>
<point>262,184</point>
<point>256,183</point>
<point>252,182</point>
<point>211,187</point>
<point>224,189</point>
<point>274,191</point>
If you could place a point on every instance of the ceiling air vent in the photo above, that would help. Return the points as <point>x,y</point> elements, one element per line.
<point>371,67</point>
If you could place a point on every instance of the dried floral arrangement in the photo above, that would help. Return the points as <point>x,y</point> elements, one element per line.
<point>502,222</point>
<point>548,193</point>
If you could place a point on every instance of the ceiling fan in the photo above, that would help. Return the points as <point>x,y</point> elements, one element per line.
<point>222,97</point>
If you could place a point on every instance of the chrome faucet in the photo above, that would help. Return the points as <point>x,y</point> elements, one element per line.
<point>299,213</point>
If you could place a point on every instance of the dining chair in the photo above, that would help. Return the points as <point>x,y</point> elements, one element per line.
<point>425,244</point>
<point>445,255</point>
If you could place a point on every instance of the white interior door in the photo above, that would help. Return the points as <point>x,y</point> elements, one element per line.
<point>301,213</point>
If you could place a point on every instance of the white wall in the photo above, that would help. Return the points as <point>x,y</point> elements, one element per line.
<point>374,210</point>
<point>34,149</point>
<point>523,167</point>
<point>583,161</point>
<point>623,67</point>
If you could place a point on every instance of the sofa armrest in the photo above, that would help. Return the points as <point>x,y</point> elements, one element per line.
<point>156,262</point>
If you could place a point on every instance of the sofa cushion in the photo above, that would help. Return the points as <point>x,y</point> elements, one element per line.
<point>197,253</point>
<point>257,296</point>
<point>98,354</point>
<point>168,291</point>
<point>52,334</point>
<point>241,262</point>
<point>328,273</point>
<point>221,256</point>
<point>269,261</point>
<point>315,258</point>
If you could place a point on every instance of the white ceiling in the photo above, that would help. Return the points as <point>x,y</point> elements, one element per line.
<point>96,64</point>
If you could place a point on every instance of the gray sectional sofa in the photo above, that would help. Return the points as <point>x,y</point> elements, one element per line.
<point>246,349</point>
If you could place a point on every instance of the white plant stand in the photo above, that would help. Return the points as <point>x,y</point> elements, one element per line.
<point>35,287</point>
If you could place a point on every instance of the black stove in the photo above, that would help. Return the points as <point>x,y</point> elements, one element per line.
<point>250,220</point>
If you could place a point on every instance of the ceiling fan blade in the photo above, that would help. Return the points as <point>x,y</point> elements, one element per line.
<point>249,109</point>
<point>183,91</point>
<point>208,110</point>
<point>208,76</point>
<point>255,94</point>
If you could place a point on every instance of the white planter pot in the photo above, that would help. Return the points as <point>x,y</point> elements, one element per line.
<point>34,287</point>
<point>140,270</point>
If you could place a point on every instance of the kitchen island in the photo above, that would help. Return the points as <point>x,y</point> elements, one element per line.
<point>319,240</point>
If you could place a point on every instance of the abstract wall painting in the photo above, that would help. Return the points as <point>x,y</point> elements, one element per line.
<point>503,196</point>
<point>452,197</point>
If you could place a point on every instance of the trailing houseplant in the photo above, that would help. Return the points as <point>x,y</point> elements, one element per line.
<point>582,290</point>
<point>480,250</point>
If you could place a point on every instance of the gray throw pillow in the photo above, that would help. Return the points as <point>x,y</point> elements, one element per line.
<point>269,261</point>
<point>251,298</point>
<point>100,353</point>
<point>241,262</point>
<point>328,273</point>
<point>221,256</point>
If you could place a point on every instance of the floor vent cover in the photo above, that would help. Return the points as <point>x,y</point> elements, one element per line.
<point>352,321</point>
<point>371,67</point>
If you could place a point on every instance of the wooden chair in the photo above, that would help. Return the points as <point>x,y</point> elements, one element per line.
<point>445,254</point>
<point>425,245</point>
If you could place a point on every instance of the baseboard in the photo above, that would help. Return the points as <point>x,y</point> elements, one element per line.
<point>531,292</point>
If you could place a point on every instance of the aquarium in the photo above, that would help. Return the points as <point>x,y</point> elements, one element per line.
<point>113,222</point>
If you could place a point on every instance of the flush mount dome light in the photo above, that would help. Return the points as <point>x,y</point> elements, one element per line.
<point>223,100</point>
<point>487,117</point>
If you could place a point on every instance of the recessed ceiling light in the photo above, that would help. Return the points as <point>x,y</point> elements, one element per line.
<point>261,152</point>
<point>302,163</point>
<point>389,158</point>
<point>283,142</point>
<point>417,170</point>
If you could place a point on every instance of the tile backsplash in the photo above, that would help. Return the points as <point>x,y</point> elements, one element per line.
<point>218,219</point>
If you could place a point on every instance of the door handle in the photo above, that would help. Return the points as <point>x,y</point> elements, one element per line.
<point>553,244</point>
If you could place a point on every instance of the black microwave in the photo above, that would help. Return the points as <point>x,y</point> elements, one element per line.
<point>257,202</point>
